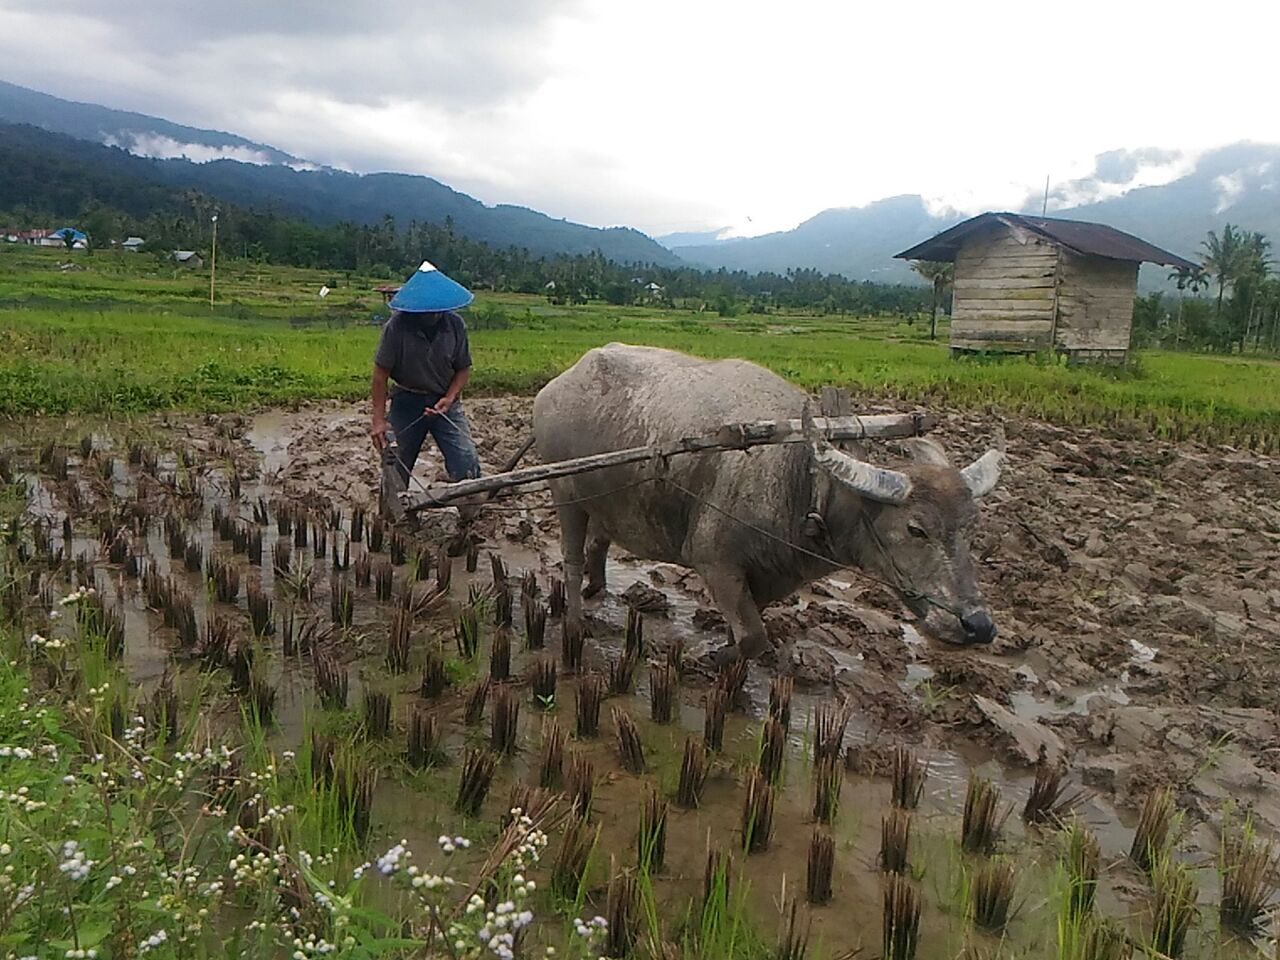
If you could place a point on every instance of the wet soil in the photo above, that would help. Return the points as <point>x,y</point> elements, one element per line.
<point>1136,584</point>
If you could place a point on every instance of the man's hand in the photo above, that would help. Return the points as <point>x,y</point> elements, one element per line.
<point>441,408</point>
<point>378,433</point>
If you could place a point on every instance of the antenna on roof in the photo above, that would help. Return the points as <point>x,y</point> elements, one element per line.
<point>1044,207</point>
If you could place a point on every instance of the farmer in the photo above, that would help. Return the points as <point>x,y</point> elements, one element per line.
<point>424,349</point>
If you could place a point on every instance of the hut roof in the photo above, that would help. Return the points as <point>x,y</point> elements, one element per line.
<point>1094,239</point>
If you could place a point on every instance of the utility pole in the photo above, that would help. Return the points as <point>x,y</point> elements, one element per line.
<point>1044,207</point>
<point>213,263</point>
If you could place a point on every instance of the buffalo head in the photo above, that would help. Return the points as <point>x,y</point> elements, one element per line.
<point>910,528</point>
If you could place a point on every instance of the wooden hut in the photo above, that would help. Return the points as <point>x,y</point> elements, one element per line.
<point>1024,284</point>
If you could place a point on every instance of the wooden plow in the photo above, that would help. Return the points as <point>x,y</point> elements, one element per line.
<point>736,436</point>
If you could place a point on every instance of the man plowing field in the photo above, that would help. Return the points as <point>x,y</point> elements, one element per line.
<point>425,351</point>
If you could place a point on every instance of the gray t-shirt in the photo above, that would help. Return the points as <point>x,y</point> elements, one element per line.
<point>423,351</point>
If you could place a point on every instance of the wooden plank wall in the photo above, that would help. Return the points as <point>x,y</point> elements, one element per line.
<point>1095,305</point>
<point>1004,294</point>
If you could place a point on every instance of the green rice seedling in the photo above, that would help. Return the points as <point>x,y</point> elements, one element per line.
<point>466,632</point>
<point>908,775</point>
<point>340,561</point>
<point>357,524</point>
<point>262,696</point>
<point>335,518</point>
<point>983,818</point>
<point>261,512</point>
<point>319,541</point>
<point>477,697</point>
<point>822,862</point>
<point>556,599</point>
<point>830,719</point>
<point>253,548</point>
<point>991,894</point>
<point>363,571</point>
<point>323,747</point>
<point>503,609</point>
<point>472,555</point>
<point>717,875</point>
<point>86,446</point>
<point>622,913</point>
<point>300,531</point>
<point>377,533</point>
<point>422,565</point>
<point>353,787</point>
<point>475,780</point>
<point>622,673</point>
<point>1174,892</point>
<point>587,697</point>
<point>397,656</point>
<point>551,766</point>
<point>341,602</point>
<point>543,682</point>
<point>662,692</point>
<point>529,589</point>
<point>634,641</point>
<point>535,625</point>
<point>571,859</point>
<point>1155,822</point>
<point>499,569</point>
<point>895,841</point>
<point>780,691</point>
<point>571,646</point>
<point>675,655</point>
<point>331,681</point>
<point>241,666</point>
<point>425,741</point>
<point>693,774</point>
<point>225,578</point>
<point>630,749</point>
<point>215,649</point>
<point>281,558</point>
<point>757,815</point>
<point>500,656</point>
<point>444,571</point>
<point>773,746</point>
<point>396,549</point>
<point>505,721</point>
<point>901,921</point>
<point>793,942</point>
<point>163,712</point>
<point>377,714</point>
<point>259,604</point>
<point>1106,940</point>
<point>524,796</point>
<point>1249,870</point>
<point>717,708</point>
<point>828,780</point>
<point>1080,861</point>
<point>1048,801</point>
<point>118,547</point>
<point>434,679</point>
<point>284,519</point>
<point>384,582</point>
<point>731,679</point>
<point>580,784</point>
<point>652,839</point>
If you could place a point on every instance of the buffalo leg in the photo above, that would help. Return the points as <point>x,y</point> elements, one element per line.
<point>597,553</point>
<point>573,536</point>
<point>733,598</point>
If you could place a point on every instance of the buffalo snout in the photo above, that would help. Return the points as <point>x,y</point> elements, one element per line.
<point>978,626</point>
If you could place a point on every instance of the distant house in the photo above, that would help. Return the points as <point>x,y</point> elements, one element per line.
<point>59,238</point>
<point>388,290</point>
<point>188,258</point>
<point>133,244</point>
<point>1025,284</point>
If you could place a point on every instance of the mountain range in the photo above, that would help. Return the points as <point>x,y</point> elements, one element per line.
<point>1238,183</point>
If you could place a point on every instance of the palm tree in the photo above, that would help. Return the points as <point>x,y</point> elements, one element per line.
<point>1186,279</point>
<point>1223,259</point>
<point>940,275</point>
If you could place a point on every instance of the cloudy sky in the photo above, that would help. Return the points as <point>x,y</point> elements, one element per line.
<point>680,114</point>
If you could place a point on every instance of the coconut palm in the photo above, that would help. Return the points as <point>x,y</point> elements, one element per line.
<point>940,275</point>
<point>1223,259</point>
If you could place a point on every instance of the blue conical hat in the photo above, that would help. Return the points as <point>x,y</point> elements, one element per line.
<point>429,290</point>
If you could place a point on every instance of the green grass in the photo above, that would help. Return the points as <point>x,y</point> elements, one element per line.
<point>125,335</point>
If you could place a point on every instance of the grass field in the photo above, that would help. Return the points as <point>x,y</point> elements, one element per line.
<point>126,334</point>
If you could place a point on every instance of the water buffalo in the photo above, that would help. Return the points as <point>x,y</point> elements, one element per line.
<point>738,517</point>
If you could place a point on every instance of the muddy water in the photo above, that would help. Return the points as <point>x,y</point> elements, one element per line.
<point>419,808</point>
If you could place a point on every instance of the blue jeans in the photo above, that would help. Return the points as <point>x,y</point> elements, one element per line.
<point>451,432</point>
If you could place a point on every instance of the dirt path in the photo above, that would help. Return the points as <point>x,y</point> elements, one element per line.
<point>1136,583</point>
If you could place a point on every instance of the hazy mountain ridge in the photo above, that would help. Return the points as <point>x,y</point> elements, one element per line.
<point>241,171</point>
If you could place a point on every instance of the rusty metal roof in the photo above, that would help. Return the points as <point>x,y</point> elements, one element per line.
<point>1092,239</point>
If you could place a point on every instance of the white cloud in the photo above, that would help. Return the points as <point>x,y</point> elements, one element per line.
<point>673,115</point>
<point>161,147</point>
